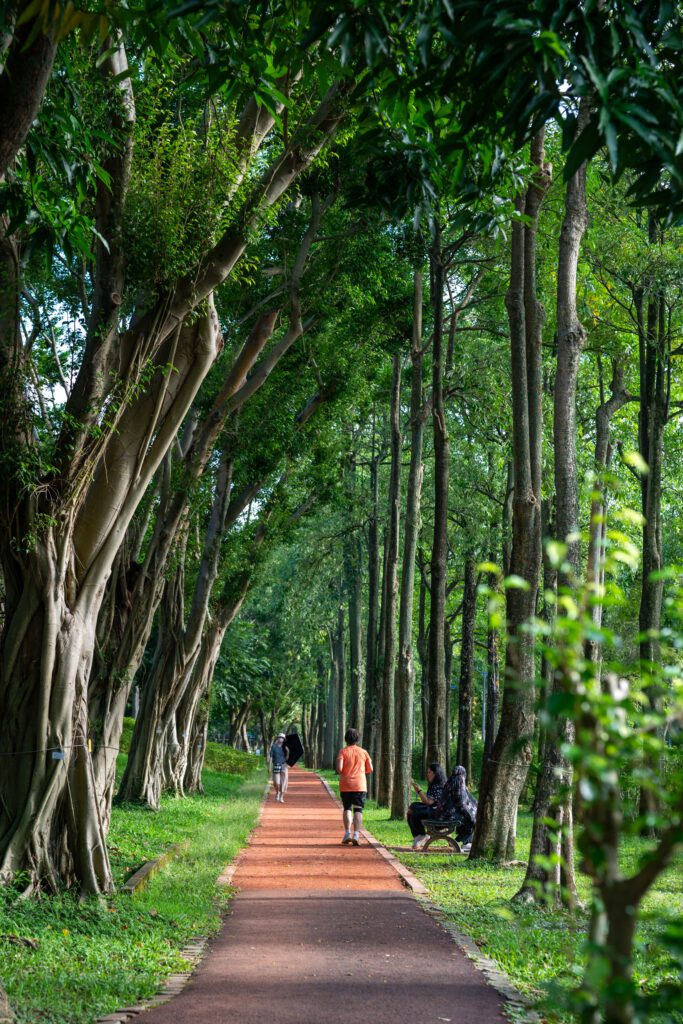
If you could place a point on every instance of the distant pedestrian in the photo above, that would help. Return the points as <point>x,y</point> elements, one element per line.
<point>353,765</point>
<point>278,763</point>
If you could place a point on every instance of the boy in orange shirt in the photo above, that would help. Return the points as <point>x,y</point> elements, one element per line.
<point>353,764</point>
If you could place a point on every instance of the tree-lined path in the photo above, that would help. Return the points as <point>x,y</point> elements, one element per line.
<point>324,933</point>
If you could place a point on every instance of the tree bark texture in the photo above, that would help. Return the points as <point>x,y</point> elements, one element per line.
<point>423,652</point>
<point>388,707</point>
<point>466,686</point>
<point>121,417</point>
<point>353,554</point>
<point>371,709</point>
<point>654,351</point>
<point>595,575</point>
<point>508,765</point>
<point>340,658</point>
<point>492,692</point>
<point>555,779</point>
<point>23,80</point>
<point>405,668</point>
<point>171,672</point>
<point>436,716</point>
<point>52,606</point>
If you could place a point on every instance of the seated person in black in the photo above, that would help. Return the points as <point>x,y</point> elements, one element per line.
<point>459,805</point>
<point>422,808</point>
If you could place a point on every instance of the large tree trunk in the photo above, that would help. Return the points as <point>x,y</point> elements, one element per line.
<point>128,612</point>
<point>507,768</point>
<point>60,536</point>
<point>24,77</point>
<point>465,690</point>
<point>388,711</point>
<point>405,669</point>
<point>436,715</point>
<point>52,608</point>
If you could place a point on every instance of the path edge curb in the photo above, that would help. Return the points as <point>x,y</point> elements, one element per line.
<point>495,976</point>
<point>139,879</point>
<point>194,952</point>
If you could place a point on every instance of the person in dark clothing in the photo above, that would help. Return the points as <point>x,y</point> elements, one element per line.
<point>422,808</point>
<point>279,753</point>
<point>458,804</point>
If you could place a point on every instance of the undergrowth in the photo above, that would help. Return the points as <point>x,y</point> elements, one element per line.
<point>538,948</point>
<point>68,962</point>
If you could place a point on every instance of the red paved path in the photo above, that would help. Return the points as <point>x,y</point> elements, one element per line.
<point>323,934</point>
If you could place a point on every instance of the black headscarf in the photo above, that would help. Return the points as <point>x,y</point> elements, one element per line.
<point>462,800</point>
<point>455,799</point>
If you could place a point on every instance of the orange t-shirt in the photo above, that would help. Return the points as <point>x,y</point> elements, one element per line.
<point>355,763</point>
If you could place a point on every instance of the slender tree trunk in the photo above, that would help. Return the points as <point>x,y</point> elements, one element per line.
<point>465,690</point>
<point>423,651</point>
<point>388,711</point>
<point>449,731</point>
<point>354,586</point>
<point>554,788</point>
<point>373,781</point>
<point>502,784</point>
<point>654,371</point>
<point>331,730</point>
<point>371,660</point>
<point>340,657</point>
<point>492,687</point>
<point>607,409</point>
<point>436,722</point>
<point>405,669</point>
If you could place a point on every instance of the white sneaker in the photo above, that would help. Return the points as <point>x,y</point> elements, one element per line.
<point>418,841</point>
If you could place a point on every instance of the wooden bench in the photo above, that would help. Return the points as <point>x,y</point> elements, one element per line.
<point>440,830</point>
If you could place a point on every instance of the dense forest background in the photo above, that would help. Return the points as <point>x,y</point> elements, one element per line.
<point>340,349</point>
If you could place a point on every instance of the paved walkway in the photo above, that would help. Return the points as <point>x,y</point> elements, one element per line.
<point>323,934</point>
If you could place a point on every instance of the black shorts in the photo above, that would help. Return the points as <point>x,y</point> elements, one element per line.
<point>353,801</point>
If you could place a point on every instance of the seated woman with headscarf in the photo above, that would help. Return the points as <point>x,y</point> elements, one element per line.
<point>422,808</point>
<point>458,804</point>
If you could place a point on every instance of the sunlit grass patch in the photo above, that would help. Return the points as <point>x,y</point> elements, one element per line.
<point>95,957</point>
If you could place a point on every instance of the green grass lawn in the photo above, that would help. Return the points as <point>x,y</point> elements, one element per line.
<point>95,957</point>
<point>536,947</point>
